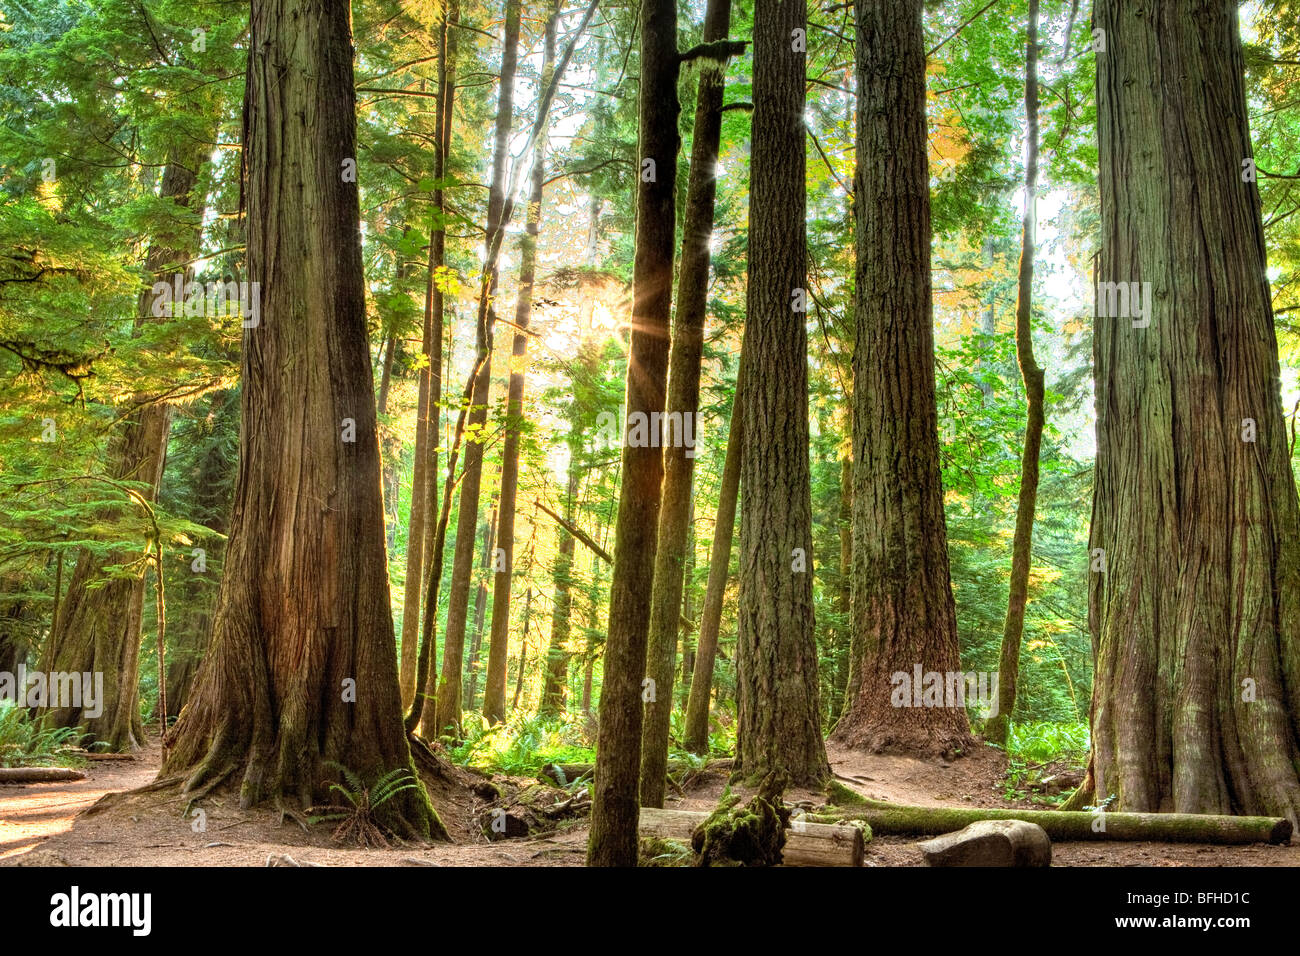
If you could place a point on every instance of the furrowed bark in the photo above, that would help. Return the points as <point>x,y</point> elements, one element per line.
<point>301,668</point>
<point>779,711</point>
<point>1194,602</point>
<point>903,611</point>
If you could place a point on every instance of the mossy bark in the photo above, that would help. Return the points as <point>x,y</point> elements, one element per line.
<point>1195,618</point>
<point>902,820</point>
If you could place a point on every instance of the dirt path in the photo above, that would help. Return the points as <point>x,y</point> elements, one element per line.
<point>39,824</point>
<point>32,813</point>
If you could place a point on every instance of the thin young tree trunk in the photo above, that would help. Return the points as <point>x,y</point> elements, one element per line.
<point>903,611</point>
<point>706,648</point>
<point>1022,547</point>
<point>424,479</point>
<point>494,696</point>
<point>1194,601</point>
<point>557,658</point>
<point>684,400</point>
<point>301,668</point>
<point>613,840</point>
<point>779,727</point>
<point>480,611</point>
<point>523,649</point>
<point>688,612</point>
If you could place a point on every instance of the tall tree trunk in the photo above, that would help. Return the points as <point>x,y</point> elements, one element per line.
<point>683,400</point>
<point>101,617</point>
<point>494,696</point>
<point>844,592</point>
<point>480,611</point>
<point>523,649</point>
<point>424,480</point>
<point>706,648</point>
<point>688,611</point>
<point>613,840</point>
<point>301,668</point>
<point>780,715</point>
<point>1196,617</point>
<point>557,658</point>
<point>1022,547</point>
<point>903,612</point>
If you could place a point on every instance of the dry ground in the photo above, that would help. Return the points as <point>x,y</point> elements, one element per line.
<point>44,824</point>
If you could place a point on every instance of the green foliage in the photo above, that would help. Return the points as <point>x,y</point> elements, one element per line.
<point>1039,747</point>
<point>24,742</point>
<point>362,805</point>
<point>523,744</point>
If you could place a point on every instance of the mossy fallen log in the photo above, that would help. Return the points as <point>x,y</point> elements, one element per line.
<point>902,820</point>
<point>806,843</point>
<point>39,774</point>
<point>564,774</point>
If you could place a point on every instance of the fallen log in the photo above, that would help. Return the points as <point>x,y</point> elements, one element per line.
<point>566,773</point>
<point>39,774</point>
<point>806,844</point>
<point>902,820</point>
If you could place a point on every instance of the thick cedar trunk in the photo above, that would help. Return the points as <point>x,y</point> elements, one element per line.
<point>706,648</point>
<point>683,398</point>
<point>1022,546</point>
<point>472,664</point>
<point>100,619</point>
<point>557,657</point>
<point>613,839</point>
<point>903,612</point>
<point>424,479</point>
<point>780,717</point>
<point>494,697</point>
<point>1196,618</point>
<point>301,668</point>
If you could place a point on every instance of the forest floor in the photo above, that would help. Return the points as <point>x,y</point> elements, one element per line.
<point>45,824</point>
